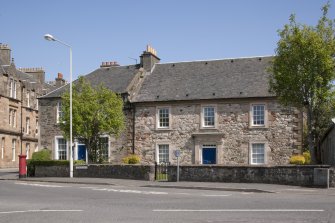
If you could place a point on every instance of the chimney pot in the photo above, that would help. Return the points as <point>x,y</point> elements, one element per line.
<point>60,76</point>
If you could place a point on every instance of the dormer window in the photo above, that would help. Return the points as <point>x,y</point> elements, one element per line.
<point>28,98</point>
<point>12,88</point>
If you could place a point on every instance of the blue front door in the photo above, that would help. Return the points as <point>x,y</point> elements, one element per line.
<point>81,152</point>
<point>209,156</point>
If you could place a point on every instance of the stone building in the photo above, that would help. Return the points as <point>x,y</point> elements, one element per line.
<point>120,79</point>
<point>213,112</point>
<point>19,89</point>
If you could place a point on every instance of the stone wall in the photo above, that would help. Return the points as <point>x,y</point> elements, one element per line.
<point>289,175</point>
<point>134,172</point>
<point>232,134</point>
<point>52,171</point>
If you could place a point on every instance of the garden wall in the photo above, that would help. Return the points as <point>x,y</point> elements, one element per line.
<point>135,172</point>
<point>303,175</point>
<point>289,175</point>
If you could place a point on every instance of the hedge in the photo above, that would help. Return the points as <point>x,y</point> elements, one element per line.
<point>32,163</point>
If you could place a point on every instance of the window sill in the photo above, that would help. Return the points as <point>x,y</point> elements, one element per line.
<point>163,129</point>
<point>208,127</point>
<point>258,127</point>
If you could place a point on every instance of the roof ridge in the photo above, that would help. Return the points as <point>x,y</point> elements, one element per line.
<point>236,58</point>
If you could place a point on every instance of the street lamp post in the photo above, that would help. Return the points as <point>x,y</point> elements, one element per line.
<point>51,38</point>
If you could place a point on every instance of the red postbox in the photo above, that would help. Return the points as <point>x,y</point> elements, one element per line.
<point>22,166</point>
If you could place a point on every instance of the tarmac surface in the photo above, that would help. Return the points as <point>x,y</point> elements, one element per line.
<point>12,174</point>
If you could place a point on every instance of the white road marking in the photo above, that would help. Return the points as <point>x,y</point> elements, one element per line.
<point>129,191</point>
<point>302,190</point>
<point>40,185</point>
<point>183,193</point>
<point>34,211</point>
<point>239,210</point>
<point>216,195</point>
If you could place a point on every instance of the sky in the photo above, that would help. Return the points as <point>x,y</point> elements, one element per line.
<point>179,30</point>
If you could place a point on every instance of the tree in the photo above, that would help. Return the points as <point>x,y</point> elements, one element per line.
<point>303,70</point>
<point>96,112</point>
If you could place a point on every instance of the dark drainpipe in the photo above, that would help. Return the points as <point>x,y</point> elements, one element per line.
<point>134,111</point>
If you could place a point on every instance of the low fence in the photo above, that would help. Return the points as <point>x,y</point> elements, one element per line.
<point>300,175</point>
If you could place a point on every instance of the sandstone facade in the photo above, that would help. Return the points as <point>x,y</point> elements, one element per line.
<point>19,118</point>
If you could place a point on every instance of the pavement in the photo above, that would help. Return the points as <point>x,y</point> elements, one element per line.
<point>12,174</point>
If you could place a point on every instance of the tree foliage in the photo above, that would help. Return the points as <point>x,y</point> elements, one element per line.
<point>96,112</point>
<point>303,70</point>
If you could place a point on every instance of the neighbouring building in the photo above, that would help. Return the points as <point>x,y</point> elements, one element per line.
<point>212,111</point>
<point>121,79</point>
<point>19,89</point>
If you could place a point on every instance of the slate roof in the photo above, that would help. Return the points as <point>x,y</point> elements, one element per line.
<point>19,74</point>
<point>115,78</point>
<point>213,79</point>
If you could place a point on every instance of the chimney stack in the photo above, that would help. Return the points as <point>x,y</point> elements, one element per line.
<point>149,58</point>
<point>38,73</point>
<point>109,64</point>
<point>5,54</point>
<point>59,80</point>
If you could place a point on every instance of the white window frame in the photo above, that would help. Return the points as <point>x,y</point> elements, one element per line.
<point>157,151</point>
<point>14,118</point>
<point>28,98</point>
<point>251,144</point>
<point>27,125</point>
<point>27,150</point>
<point>59,111</point>
<point>202,116</point>
<point>57,150</point>
<point>251,115</point>
<point>108,148</point>
<point>13,149</point>
<point>158,109</point>
<point>11,85</point>
<point>10,118</point>
<point>14,89</point>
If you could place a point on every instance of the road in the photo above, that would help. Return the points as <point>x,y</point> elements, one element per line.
<point>36,202</point>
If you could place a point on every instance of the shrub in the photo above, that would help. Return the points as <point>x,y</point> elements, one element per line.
<point>307,156</point>
<point>131,159</point>
<point>44,154</point>
<point>32,163</point>
<point>79,162</point>
<point>297,159</point>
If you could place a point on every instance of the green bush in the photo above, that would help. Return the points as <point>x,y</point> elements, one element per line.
<point>44,154</point>
<point>79,162</point>
<point>131,159</point>
<point>32,163</point>
<point>307,156</point>
<point>297,160</point>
